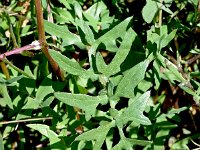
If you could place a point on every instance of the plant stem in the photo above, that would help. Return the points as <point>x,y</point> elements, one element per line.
<point>11,30</point>
<point>17,69</point>
<point>2,64</point>
<point>5,70</point>
<point>193,59</point>
<point>42,39</point>
<point>160,15</point>
<point>34,45</point>
<point>16,51</point>
<point>25,120</point>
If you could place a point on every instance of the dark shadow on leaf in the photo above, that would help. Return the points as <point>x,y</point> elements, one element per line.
<point>59,145</point>
<point>94,64</point>
<point>82,36</point>
<point>116,136</point>
<point>135,56</point>
<point>122,103</point>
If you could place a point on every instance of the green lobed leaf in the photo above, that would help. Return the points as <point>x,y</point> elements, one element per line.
<point>98,134</point>
<point>63,32</point>
<point>66,3</point>
<point>93,14</point>
<point>78,9</point>
<point>46,131</point>
<point>28,71</point>
<point>160,36</point>
<point>195,2</point>
<point>29,84</point>
<point>131,79</point>
<point>134,112</point>
<point>106,19</point>
<point>181,144</point>
<point>152,36</point>
<point>26,111</point>
<point>5,98</point>
<point>82,101</point>
<point>89,36</point>
<point>127,143</point>
<point>11,81</point>
<point>39,100</point>
<point>149,11</point>
<point>165,8</point>
<point>95,10</point>
<point>30,105</point>
<point>68,65</point>
<point>101,65</point>
<point>165,41</point>
<point>63,16</point>
<point>44,89</point>
<point>118,31</point>
<point>120,56</point>
<point>109,38</point>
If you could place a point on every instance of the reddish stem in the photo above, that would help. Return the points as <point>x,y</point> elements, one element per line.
<point>17,51</point>
<point>42,39</point>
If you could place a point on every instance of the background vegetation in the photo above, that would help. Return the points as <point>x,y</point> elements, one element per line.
<point>128,75</point>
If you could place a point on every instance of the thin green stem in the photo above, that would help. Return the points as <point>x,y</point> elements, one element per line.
<point>2,64</point>
<point>25,120</point>
<point>11,30</point>
<point>17,69</point>
<point>160,15</point>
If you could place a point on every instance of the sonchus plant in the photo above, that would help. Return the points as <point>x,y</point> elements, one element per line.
<point>117,79</point>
